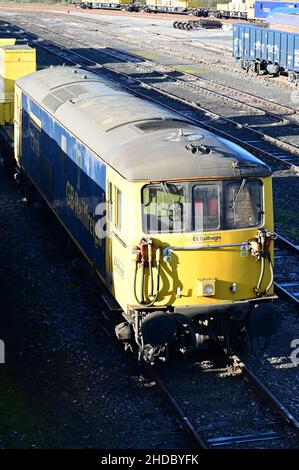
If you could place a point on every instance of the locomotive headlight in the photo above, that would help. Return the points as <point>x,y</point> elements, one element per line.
<point>206,287</point>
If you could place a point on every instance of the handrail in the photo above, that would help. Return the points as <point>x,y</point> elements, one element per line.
<point>169,249</point>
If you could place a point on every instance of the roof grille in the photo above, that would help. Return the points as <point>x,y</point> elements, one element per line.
<point>161,124</point>
<point>51,102</point>
<point>58,97</point>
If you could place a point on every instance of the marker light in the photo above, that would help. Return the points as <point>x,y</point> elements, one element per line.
<point>206,287</point>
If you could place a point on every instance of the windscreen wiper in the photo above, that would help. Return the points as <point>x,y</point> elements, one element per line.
<point>236,197</point>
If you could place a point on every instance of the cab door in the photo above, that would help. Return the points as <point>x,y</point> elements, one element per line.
<point>109,233</point>
<point>18,124</point>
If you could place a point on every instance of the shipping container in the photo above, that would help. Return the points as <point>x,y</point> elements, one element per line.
<point>267,50</point>
<point>172,5</point>
<point>262,9</point>
<point>284,17</point>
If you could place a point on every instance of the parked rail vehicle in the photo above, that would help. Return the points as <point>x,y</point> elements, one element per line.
<point>176,222</point>
<point>226,14</point>
<point>238,9</point>
<point>108,5</point>
<point>268,50</point>
<point>175,6</point>
<point>262,9</point>
<point>284,19</point>
<point>151,6</point>
<point>251,10</point>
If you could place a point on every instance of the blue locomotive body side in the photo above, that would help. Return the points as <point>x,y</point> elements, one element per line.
<point>269,45</point>
<point>69,176</point>
<point>262,9</point>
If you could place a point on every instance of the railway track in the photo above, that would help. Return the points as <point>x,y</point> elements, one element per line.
<point>286,257</point>
<point>204,434</point>
<point>224,90</point>
<point>187,388</point>
<point>270,149</point>
<point>245,99</point>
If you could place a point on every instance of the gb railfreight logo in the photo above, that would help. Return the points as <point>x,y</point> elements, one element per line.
<point>2,352</point>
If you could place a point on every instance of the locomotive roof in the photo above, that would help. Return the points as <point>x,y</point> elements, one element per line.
<point>139,139</point>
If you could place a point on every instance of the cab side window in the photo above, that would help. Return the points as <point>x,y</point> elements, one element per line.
<point>110,201</point>
<point>118,214</point>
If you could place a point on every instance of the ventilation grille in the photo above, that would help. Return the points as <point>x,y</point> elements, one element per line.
<point>161,124</point>
<point>60,96</point>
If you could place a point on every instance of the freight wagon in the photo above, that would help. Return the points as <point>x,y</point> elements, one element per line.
<point>267,50</point>
<point>155,6</point>
<point>284,18</point>
<point>107,5</point>
<point>172,6</point>
<point>235,9</point>
<point>262,9</point>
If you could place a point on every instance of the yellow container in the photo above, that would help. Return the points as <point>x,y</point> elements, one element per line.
<point>181,4</point>
<point>7,42</point>
<point>15,62</point>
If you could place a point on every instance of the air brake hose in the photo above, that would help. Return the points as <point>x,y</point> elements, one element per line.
<point>158,262</point>
<point>143,244</point>
<point>158,258</point>
<point>150,267</point>
<point>261,240</point>
<point>272,275</point>
<point>265,241</point>
<point>261,273</point>
<point>135,284</point>
<point>142,282</point>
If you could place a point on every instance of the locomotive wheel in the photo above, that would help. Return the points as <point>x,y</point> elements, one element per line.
<point>257,68</point>
<point>180,25</point>
<point>175,24</point>
<point>187,340</point>
<point>189,27</point>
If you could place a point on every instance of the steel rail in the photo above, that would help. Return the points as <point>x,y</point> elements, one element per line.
<point>293,149</point>
<point>75,58</point>
<point>263,392</point>
<point>184,420</point>
<point>126,56</point>
<point>287,243</point>
<point>270,398</point>
<point>282,287</point>
<point>282,290</point>
<point>117,53</point>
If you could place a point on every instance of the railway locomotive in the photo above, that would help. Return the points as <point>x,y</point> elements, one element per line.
<point>176,222</point>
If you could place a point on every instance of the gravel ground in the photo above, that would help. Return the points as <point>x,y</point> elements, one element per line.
<point>276,368</point>
<point>227,108</point>
<point>65,384</point>
<point>223,405</point>
<point>286,207</point>
<point>68,384</point>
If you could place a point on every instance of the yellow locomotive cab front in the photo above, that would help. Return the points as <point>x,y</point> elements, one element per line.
<point>197,251</point>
